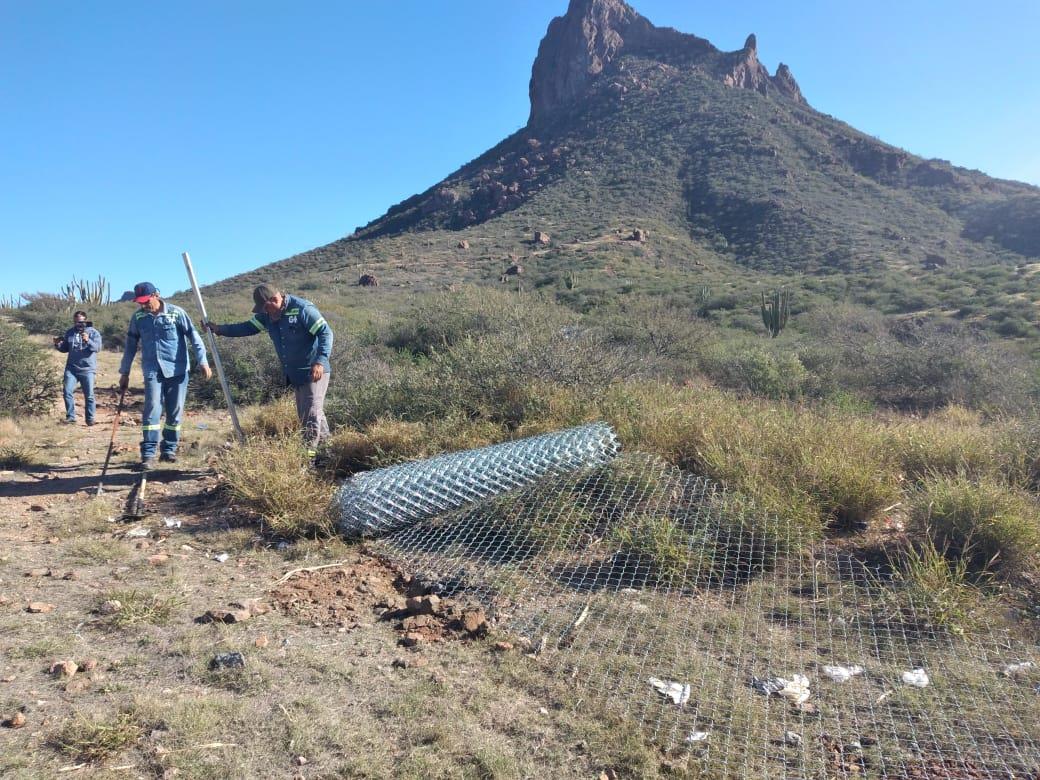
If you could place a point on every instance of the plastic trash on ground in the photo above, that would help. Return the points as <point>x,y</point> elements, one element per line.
<point>794,688</point>
<point>842,674</point>
<point>916,677</point>
<point>679,693</point>
<point>697,736</point>
<point>1013,670</point>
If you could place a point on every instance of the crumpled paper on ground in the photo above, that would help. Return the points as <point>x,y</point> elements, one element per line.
<point>679,693</point>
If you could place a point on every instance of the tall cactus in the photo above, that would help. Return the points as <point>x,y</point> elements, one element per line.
<point>83,291</point>
<point>775,309</point>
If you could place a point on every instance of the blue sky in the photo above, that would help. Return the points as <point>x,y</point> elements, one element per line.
<point>245,132</point>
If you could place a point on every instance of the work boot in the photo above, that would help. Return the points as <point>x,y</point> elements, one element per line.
<point>147,464</point>
<point>168,457</point>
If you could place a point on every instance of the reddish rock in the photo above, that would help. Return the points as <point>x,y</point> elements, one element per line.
<point>542,238</point>
<point>503,646</point>
<point>39,606</point>
<point>474,622</point>
<point>16,721</point>
<point>63,668</point>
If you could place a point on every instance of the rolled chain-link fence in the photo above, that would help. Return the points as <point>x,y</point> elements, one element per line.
<point>726,632</point>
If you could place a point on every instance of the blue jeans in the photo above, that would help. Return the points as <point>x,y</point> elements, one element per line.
<point>85,379</point>
<point>162,395</point>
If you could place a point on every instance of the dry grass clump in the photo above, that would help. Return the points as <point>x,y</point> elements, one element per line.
<point>277,418</point>
<point>388,441</point>
<point>94,739</point>
<point>813,469</point>
<point>984,523</point>
<point>273,477</point>
<point>935,590</point>
<point>16,451</point>
<point>136,607</point>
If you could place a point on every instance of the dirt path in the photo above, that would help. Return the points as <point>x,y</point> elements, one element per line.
<point>110,667</point>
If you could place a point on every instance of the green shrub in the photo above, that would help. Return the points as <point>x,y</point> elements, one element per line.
<point>988,525</point>
<point>756,370</point>
<point>28,382</point>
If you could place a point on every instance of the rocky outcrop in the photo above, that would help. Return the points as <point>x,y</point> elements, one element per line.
<point>582,44</point>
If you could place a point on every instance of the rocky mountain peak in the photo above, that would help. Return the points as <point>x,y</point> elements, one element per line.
<point>582,43</point>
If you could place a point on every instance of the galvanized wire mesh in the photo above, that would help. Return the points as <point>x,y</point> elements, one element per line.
<point>631,571</point>
<point>376,502</point>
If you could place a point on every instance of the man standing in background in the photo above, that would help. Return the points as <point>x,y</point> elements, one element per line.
<point>164,332</point>
<point>303,340</point>
<point>82,343</point>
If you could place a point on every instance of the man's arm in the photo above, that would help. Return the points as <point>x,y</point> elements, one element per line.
<point>133,335</point>
<point>94,342</point>
<point>197,344</point>
<point>252,326</point>
<point>63,345</point>
<point>320,329</point>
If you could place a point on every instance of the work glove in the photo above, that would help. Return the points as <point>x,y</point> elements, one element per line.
<point>124,382</point>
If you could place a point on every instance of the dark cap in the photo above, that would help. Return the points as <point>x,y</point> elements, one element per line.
<point>262,294</point>
<point>143,291</point>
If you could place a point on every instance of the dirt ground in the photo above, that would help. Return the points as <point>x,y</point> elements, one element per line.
<point>185,644</point>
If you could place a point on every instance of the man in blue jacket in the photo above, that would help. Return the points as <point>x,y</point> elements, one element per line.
<point>164,332</point>
<point>303,340</point>
<point>82,343</point>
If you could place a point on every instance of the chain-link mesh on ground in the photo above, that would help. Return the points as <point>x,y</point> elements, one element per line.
<point>376,502</point>
<point>725,632</point>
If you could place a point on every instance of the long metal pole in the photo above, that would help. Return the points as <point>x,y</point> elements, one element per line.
<point>213,348</point>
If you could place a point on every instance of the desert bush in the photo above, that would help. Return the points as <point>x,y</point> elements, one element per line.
<point>46,313</point>
<point>276,418</point>
<point>768,373</point>
<point>96,738</point>
<point>984,523</point>
<point>934,591</point>
<point>28,382</point>
<point>271,476</point>
<point>253,372</point>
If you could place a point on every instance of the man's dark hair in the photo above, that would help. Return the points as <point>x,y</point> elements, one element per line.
<point>79,314</point>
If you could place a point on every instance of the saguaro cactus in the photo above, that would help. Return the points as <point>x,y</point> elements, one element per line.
<point>775,308</point>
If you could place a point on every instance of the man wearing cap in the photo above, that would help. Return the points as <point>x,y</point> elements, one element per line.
<point>82,343</point>
<point>303,340</point>
<point>163,331</point>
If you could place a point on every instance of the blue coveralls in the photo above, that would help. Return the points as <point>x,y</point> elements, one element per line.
<point>164,339</point>
<point>80,367</point>
<point>301,338</point>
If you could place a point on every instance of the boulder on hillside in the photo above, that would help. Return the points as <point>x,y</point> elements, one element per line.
<point>542,238</point>
<point>639,235</point>
<point>464,244</point>
<point>368,280</point>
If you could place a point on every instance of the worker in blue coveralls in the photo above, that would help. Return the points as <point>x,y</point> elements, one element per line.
<point>164,332</point>
<point>303,340</point>
<point>82,343</point>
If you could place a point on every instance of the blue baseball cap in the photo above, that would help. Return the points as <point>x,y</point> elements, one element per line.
<point>144,291</point>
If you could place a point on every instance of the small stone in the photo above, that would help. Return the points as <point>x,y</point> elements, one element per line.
<point>8,678</point>
<point>234,660</point>
<point>110,607</point>
<point>142,544</point>
<point>225,616</point>
<point>261,641</point>
<point>417,621</point>
<point>64,668</point>
<point>16,721</point>
<point>792,738</point>
<point>37,508</point>
<point>39,606</point>
<point>88,664</point>
<point>410,662</point>
<point>301,760</point>
<point>70,575</point>
<point>503,646</point>
<point>253,606</point>
<point>222,558</point>
<point>411,639</point>
<point>38,573</point>
<point>474,622</point>
<point>159,559</point>
<point>79,685</point>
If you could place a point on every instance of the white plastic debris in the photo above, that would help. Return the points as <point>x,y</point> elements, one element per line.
<point>916,677</point>
<point>792,738</point>
<point>172,522</point>
<point>679,693</point>
<point>137,533</point>
<point>1012,670</point>
<point>794,688</point>
<point>697,736</point>
<point>222,558</point>
<point>842,674</point>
